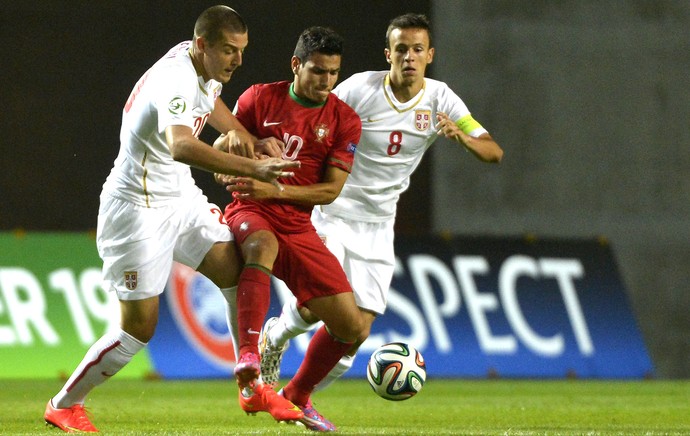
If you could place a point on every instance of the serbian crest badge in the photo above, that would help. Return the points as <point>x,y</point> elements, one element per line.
<point>422,119</point>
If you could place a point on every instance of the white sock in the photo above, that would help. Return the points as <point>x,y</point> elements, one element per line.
<point>104,359</point>
<point>230,295</point>
<point>290,325</point>
<point>340,368</point>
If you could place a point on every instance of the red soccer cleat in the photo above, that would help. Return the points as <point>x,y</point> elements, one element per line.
<point>71,420</point>
<point>265,399</point>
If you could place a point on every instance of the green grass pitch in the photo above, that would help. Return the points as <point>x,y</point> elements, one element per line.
<point>443,407</point>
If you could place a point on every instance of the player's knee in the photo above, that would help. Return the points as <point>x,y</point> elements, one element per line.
<point>139,317</point>
<point>141,330</point>
<point>307,315</point>
<point>364,334</point>
<point>368,319</point>
<point>261,247</point>
<point>350,331</point>
<point>221,265</point>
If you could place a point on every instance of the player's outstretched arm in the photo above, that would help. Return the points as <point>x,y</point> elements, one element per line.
<point>185,148</point>
<point>323,192</point>
<point>483,147</point>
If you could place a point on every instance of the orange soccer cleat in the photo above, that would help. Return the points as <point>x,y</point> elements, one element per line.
<point>264,399</point>
<point>71,420</point>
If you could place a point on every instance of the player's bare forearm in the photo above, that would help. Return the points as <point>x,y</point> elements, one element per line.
<point>198,154</point>
<point>484,147</point>
<point>185,148</point>
<point>309,195</point>
<point>223,120</point>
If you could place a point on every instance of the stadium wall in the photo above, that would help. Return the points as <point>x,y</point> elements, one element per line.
<point>588,99</point>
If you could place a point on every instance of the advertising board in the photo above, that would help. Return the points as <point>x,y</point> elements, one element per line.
<point>474,307</point>
<point>52,305</point>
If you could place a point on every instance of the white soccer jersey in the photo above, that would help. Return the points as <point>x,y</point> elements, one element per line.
<point>170,93</point>
<point>394,138</point>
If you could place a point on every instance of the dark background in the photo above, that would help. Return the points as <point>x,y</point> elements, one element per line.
<point>590,100</point>
<point>72,67</point>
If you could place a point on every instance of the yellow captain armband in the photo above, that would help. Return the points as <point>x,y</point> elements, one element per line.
<point>468,124</point>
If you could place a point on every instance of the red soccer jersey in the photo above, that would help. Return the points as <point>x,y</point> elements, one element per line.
<point>316,135</point>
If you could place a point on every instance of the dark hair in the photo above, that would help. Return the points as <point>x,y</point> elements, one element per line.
<point>408,21</point>
<point>214,20</point>
<point>318,39</point>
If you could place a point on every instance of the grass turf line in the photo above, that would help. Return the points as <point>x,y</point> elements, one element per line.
<point>479,407</point>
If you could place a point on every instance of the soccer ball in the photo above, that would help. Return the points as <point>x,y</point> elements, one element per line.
<point>396,371</point>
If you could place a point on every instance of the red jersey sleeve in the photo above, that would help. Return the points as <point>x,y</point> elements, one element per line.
<point>347,137</point>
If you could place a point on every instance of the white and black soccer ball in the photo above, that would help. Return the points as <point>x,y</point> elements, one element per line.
<point>396,371</point>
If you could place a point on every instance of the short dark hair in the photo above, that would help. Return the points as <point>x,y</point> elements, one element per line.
<point>214,20</point>
<point>408,21</point>
<point>318,39</point>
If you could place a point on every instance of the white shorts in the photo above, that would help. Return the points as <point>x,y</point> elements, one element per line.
<point>138,244</point>
<point>366,252</point>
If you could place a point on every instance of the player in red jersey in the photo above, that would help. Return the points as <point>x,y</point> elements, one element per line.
<point>272,223</point>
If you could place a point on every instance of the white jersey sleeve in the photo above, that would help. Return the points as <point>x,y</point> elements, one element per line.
<point>394,138</point>
<point>169,93</point>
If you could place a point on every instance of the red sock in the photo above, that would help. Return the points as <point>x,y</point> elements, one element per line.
<point>322,355</point>
<point>253,299</point>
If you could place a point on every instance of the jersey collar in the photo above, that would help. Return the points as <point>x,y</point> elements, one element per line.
<point>302,101</point>
<point>394,103</point>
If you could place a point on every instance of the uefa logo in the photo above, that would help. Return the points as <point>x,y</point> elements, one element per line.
<point>198,309</point>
